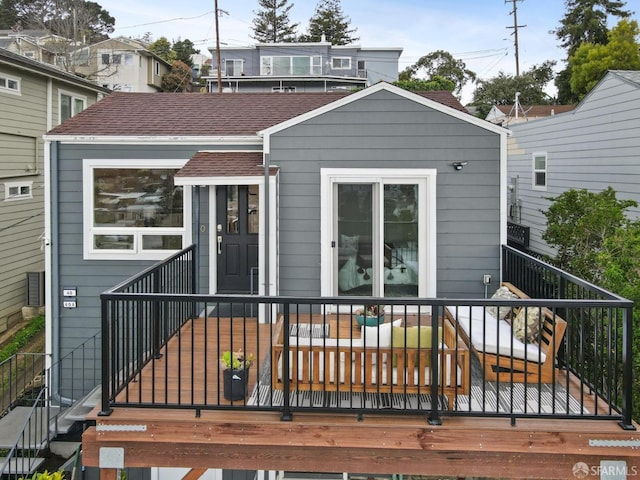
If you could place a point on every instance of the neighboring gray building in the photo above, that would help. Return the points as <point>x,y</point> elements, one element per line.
<point>34,97</point>
<point>134,179</point>
<point>594,146</point>
<point>302,67</point>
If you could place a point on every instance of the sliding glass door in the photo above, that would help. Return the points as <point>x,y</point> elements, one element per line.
<point>381,230</point>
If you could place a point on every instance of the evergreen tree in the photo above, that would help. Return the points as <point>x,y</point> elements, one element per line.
<point>8,14</point>
<point>183,50</point>
<point>271,24</point>
<point>584,21</point>
<point>329,20</point>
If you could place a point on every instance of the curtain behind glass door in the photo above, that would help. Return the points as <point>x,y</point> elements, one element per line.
<point>355,239</point>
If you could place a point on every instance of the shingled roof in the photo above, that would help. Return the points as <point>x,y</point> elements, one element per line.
<point>201,114</point>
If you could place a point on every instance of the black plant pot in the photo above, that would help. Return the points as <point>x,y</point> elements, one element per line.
<point>235,384</point>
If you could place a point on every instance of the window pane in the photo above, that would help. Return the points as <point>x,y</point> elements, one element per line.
<point>13,84</point>
<point>316,65</point>
<point>3,82</point>
<point>265,66</point>
<point>300,65</point>
<point>541,179</point>
<point>355,239</point>
<point>65,107</point>
<point>232,209</point>
<point>401,240</point>
<point>113,242</point>
<point>540,163</point>
<point>162,242</point>
<point>132,197</point>
<point>78,105</point>
<point>254,210</point>
<point>282,65</point>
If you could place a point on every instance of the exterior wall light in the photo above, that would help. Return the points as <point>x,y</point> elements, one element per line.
<point>459,165</point>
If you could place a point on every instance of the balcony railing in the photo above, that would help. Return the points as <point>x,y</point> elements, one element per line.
<point>162,344</point>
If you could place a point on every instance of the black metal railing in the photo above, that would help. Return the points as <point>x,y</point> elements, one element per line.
<point>518,235</point>
<point>162,349</point>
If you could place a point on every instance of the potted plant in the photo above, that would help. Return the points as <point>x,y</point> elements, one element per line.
<point>370,314</point>
<point>235,372</point>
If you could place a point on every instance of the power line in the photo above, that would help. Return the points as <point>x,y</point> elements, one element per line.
<point>167,21</point>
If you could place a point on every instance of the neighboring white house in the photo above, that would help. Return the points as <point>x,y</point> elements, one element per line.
<point>302,67</point>
<point>592,147</point>
<point>121,64</point>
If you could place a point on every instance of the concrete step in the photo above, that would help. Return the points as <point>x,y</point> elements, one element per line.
<point>21,466</point>
<point>12,423</point>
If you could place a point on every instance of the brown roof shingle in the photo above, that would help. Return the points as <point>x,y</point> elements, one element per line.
<point>224,164</point>
<point>200,114</point>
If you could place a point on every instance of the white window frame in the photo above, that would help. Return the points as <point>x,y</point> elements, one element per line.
<point>315,65</point>
<point>19,196</point>
<point>74,97</point>
<point>6,88</point>
<point>89,253</point>
<point>534,171</point>
<point>425,179</point>
<point>238,65</point>
<point>340,63</point>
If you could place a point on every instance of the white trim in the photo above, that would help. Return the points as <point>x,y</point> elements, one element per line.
<point>8,185</point>
<point>151,140</point>
<point>46,241</point>
<point>390,88</point>
<point>12,91</point>
<point>88,165</point>
<point>539,188</point>
<point>503,192</point>
<point>348,67</point>
<point>213,222</point>
<point>204,181</point>
<point>73,96</point>
<point>427,234</point>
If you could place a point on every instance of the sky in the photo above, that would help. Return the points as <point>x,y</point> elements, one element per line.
<point>474,31</point>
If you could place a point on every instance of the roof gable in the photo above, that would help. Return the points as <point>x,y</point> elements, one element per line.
<point>427,99</point>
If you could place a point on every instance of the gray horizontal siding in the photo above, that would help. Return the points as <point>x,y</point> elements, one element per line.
<point>593,147</point>
<point>391,132</point>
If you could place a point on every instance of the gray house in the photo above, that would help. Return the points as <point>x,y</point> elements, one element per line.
<point>34,97</point>
<point>381,192</point>
<point>593,146</point>
<point>302,67</point>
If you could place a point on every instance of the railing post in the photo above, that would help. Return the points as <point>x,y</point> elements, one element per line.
<point>627,365</point>
<point>286,383</point>
<point>434,416</point>
<point>106,354</point>
<point>155,317</point>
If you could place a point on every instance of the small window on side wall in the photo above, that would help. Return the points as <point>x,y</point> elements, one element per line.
<point>539,177</point>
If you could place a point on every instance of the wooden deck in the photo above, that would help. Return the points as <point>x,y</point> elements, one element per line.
<point>249,439</point>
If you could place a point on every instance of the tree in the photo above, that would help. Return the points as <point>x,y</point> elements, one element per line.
<point>329,20</point>
<point>501,90</point>
<point>162,48</point>
<point>440,64</point>
<point>591,61</point>
<point>8,14</point>
<point>79,21</point>
<point>585,21</point>
<point>434,84</point>
<point>178,79</point>
<point>183,50</point>
<point>272,24</point>
<point>578,224</point>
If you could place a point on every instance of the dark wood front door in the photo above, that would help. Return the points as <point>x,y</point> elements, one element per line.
<point>237,238</point>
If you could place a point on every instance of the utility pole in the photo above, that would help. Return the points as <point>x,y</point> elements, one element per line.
<point>217,13</point>
<point>515,31</point>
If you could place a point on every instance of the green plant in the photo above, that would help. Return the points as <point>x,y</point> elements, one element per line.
<point>59,475</point>
<point>236,360</point>
<point>22,338</point>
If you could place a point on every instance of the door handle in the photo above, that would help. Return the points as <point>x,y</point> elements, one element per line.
<point>219,244</point>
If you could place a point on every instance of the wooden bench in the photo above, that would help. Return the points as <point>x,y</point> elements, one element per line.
<point>504,367</point>
<point>322,365</point>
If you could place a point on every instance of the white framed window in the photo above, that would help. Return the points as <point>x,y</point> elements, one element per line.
<point>291,65</point>
<point>116,58</point>
<point>341,63</point>
<point>70,105</point>
<point>128,59</point>
<point>105,58</point>
<point>539,176</point>
<point>382,235</point>
<point>233,67</point>
<point>157,68</point>
<point>132,209</point>
<point>10,84</point>
<point>18,190</point>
